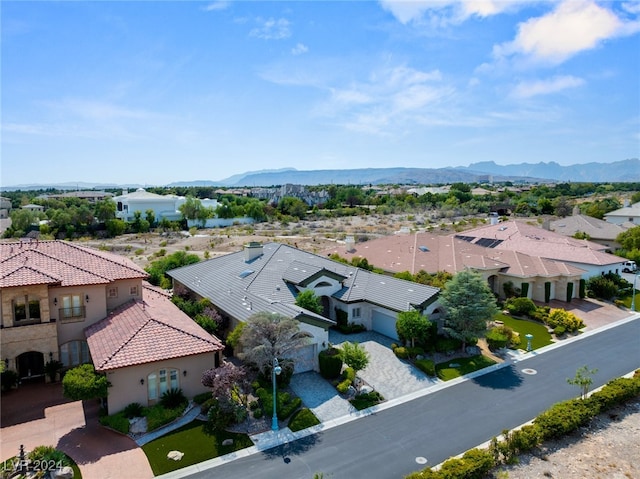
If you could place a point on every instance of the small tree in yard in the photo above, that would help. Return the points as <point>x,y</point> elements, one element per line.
<point>308,300</point>
<point>266,336</point>
<point>82,383</point>
<point>228,385</point>
<point>354,356</point>
<point>412,326</point>
<point>469,304</point>
<point>583,379</point>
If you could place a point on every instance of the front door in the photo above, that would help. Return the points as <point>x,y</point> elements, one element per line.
<point>31,366</point>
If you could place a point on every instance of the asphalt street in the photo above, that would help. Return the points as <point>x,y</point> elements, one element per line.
<point>394,442</point>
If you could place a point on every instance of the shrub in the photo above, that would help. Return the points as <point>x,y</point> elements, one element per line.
<point>560,317</point>
<point>617,391</point>
<point>118,422</point>
<point>497,338</point>
<point>445,345</point>
<point>415,351</point>
<point>48,455</point>
<point>303,419</point>
<point>289,408</point>
<point>365,400</point>
<point>474,464</point>
<point>173,398</point>
<point>133,410</point>
<point>565,417</point>
<point>427,366</point>
<point>205,406</point>
<point>559,330</point>
<point>520,306</point>
<point>8,379</point>
<point>258,413</point>
<point>401,352</point>
<point>330,363</point>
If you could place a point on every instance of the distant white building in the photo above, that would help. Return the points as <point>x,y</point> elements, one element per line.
<point>628,216</point>
<point>163,206</point>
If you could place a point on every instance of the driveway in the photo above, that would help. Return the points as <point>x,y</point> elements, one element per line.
<point>390,376</point>
<point>593,312</point>
<point>71,427</point>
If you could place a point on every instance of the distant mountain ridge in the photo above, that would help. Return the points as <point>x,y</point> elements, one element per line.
<point>618,171</point>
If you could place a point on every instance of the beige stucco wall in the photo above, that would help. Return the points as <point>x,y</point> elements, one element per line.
<point>124,293</point>
<point>95,310</point>
<point>125,382</point>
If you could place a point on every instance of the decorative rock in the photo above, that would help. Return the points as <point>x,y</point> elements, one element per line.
<point>227,442</point>
<point>138,425</point>
<point>366,389</point>
<point>65,472</point>
<point>175,455</point>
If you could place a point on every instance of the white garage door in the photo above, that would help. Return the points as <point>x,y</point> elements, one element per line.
<point>384,324</point>
<point>305,359</point>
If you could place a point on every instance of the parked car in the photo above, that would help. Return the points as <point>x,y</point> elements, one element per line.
<point>629,267</point>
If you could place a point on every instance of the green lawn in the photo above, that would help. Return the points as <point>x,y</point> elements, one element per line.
<point>196,445</point>
<point>455,367</point>
<point>541,336</point>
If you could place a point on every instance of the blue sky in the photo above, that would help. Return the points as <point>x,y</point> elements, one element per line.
<point>153,92</point>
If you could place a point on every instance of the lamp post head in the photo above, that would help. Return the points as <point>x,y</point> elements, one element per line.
<point>277,370</point>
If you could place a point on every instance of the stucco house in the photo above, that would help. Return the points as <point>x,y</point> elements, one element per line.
<point>426,251</point>
<point>63,301</point>
<point>163,206</point>
<point>269,277</point>
<point>629,215</point>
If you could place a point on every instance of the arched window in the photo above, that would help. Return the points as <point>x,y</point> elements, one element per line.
<point>159,382</point>
<point>74,353</point>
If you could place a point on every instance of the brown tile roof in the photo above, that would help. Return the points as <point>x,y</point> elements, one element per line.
<point>432,253</point>
<point>146,331</point>
<point>535,241</point>
<point>61,262</point>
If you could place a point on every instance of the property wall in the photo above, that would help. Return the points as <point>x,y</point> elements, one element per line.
<point>125,382</point>
<point>220,222</point>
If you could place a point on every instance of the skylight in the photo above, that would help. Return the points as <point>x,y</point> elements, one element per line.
<point>423,249</point>
<point>246,273</point>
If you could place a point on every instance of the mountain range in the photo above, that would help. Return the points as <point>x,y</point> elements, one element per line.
<point>486,171</point>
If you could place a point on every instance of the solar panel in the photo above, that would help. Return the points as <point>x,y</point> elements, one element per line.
<point>465,238</point>
<point>423,248</point>
<point>488,242</point>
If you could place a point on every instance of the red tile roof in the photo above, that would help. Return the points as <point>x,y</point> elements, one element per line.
<point>146,331</point>
<point>61,262</point>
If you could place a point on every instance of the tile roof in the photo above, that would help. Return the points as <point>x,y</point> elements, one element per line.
<point>61,262</point>
<point>432,253</point>
<point>146,331</point>
<point>269,288</point>
<point>595,228</point>
<point>535,241</point>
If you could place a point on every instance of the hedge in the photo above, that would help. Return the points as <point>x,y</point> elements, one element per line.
<point>330,363</point>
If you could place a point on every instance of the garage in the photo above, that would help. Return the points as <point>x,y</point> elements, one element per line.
<point>384,324</point>
<point>305,358</point>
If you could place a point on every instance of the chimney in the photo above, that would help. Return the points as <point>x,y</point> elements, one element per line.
<point>252,250</point>
<point>350,243</point>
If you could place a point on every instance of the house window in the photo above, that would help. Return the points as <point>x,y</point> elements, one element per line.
<point>112,292</point>
<point>159,382</point>
<point>133,291</point>
<point>72,307</point>
<point>356,312</point>
<point>74,353</point>
<point>26,309</point>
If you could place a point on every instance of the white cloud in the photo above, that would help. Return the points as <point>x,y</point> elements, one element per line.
<point>574,26</point>
<point>271,29</point>
<point>443,12</point>
<point>546,87</point>
<point>215,6</point>
<point>299,49</point>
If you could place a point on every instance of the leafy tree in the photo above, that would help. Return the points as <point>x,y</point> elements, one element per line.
<point>545,206</point>
<point>158,268</point>
<point>82,383</point>
<point>229,386</point>
<point>210,320</point>
<point>105,210</point>
<point>351,195</point>
<point>412,326</point>
<point>115,227</point>
<point>292,206</point>
<point>308,300</point>
<point>601,287</point>
<point>190,208</point>
<point>562,207</point>
<point>266,336</point>
<point>354,356</point>
<point>583,379</point>
<point>469,304</point>
<point>22,219</point>
<point>150,216</point>
<point>630,239</point>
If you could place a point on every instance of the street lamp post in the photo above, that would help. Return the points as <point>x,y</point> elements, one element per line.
<point>529,337</point>
<point>633,294</point>
<point>275,372</point>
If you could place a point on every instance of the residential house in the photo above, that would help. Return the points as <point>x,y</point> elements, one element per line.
<point>5,207</point>
<point>163,206</point>
<point>269,277</point>
<point>629,215</point>
<point>598,231</point>
<point>62,301</point>
<point>426,251</point>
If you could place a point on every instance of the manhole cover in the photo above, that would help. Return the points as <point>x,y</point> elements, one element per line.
<point>421,460</point>
<point>529,371</point>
